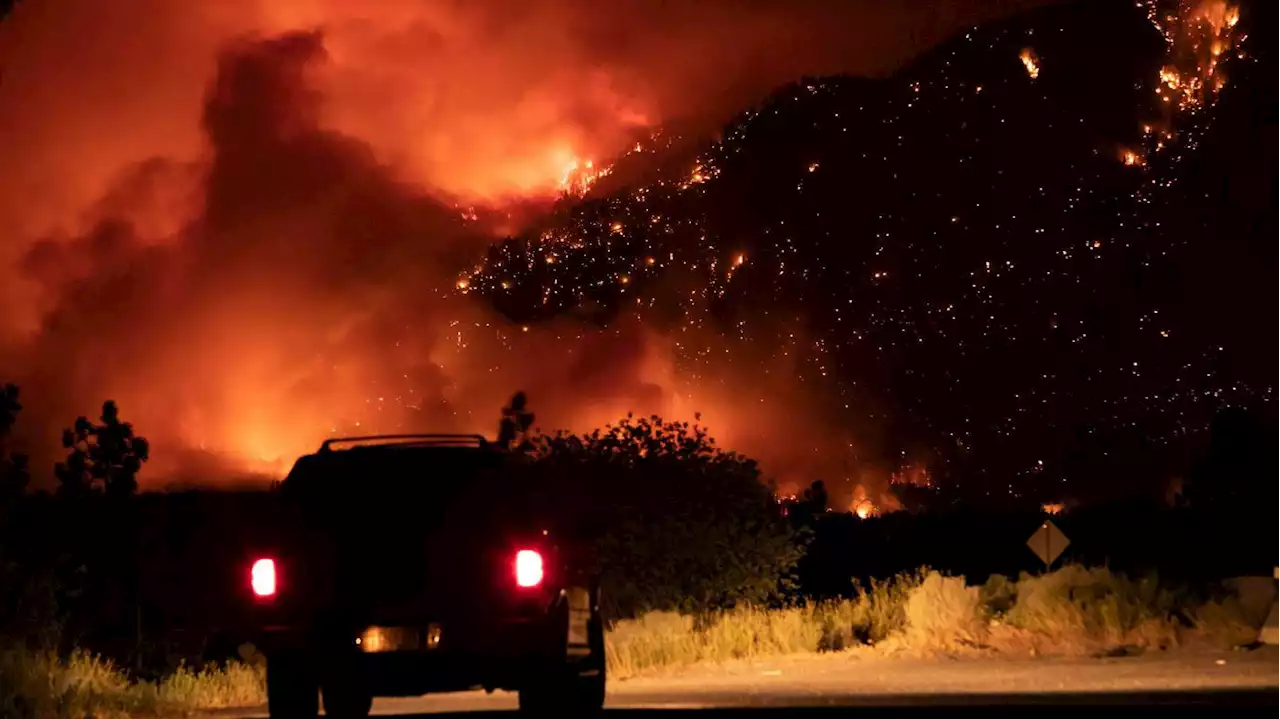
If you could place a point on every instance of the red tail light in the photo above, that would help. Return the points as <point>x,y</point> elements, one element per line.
<point>262,577</point>
<point>528,568</point>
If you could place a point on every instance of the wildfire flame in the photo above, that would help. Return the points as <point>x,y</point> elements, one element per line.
<point>1200,35</point>
<point>579,176</point>
<point>863,505</point>
<point>1030,61</point>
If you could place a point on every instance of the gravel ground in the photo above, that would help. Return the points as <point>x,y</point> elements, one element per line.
<point>851,679</point>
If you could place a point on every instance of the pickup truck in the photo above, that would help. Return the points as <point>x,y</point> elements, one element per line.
<point>403,565</point>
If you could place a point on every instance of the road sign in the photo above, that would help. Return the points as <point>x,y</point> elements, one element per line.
<point>1048,542</point>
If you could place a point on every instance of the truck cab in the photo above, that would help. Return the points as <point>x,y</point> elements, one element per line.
<point>409,564</point>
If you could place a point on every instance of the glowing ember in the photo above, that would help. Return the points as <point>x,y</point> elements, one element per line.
<point>1030,61</point>
<point>1052,508</point>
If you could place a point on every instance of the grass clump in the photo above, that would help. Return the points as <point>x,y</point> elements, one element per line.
<point>234,684</point>
<point>668,639</point>
<point>41,685</point>
<point>943,613</point>
<point>1072,610</point>
<point>1079,609</point>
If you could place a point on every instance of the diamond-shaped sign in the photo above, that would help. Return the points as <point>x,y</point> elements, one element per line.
<point>1048,542</point>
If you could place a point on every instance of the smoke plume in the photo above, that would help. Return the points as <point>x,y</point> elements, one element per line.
<point>240,220</point>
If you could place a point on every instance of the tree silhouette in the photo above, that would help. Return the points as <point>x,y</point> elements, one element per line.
<point>811,504</point>
<point>1240,464</point>
<point>817,497</point>
<point>513,430</point>
<point>14,474</point>
<point>674,521</point>
<point>104,458</point>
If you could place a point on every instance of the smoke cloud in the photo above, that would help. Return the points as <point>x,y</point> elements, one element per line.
<point>241,219</point>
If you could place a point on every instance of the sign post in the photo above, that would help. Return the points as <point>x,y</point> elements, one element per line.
<point>1048,542</point>
<point>1270,632</point>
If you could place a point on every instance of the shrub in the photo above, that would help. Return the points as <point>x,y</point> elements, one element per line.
<point>214,687</point>
<point>1073,609</point>
<point>998,594</point>
<point>674,522</point>
<point>1085,609</point>
<point>942,613</point>
<point>874,614</point>
<point>37,685</point>
<point>667,639</point>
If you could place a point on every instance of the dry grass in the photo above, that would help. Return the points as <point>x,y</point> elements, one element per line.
<point>1079,610</point>
<point>943,613</point>
<point>1073,610</point>
<point>35,685</point>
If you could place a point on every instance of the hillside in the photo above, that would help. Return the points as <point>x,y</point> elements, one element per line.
<point>983,260</point>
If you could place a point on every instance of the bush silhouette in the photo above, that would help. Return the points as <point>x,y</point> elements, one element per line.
<point>104,458</point>
<point>14,474</point>
<point>673,521</point>
<point>513,430</point>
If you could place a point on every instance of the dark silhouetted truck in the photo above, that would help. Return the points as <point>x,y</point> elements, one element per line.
<point>410,564</point>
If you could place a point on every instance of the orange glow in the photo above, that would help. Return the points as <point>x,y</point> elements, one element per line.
<point>1052,508</point>
<point>862,504</point>
<point>578,178</point>
<point>1030,62</point>
<point>1197,38</point>
<point>289,191</point>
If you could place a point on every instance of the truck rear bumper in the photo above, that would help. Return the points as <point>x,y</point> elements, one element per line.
<point>416,673</point>
<point>502,655</point>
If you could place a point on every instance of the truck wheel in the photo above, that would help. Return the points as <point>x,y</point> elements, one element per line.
<point>345,697</point>
<point>576,687</point>
<point>564,693</point>
<point>292,691</point>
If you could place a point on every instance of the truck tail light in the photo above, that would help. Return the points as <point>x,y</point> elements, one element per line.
<point>262,577</point>
<point>528,568</point>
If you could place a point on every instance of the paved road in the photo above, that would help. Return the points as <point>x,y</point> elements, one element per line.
<point>829,684</point>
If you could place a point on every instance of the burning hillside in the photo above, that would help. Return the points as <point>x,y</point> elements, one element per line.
<point>244,221</point>
<point>290,235</point>
<point>918,250</point>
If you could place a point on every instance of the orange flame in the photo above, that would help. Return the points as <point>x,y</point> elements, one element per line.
<point>1030,61</point>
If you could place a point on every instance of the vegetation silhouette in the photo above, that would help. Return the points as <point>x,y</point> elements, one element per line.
<point>1240,465</point>
<point>14,471</point>
<point>672,521</point>
<point>104,457</point>
<point>516,420</point>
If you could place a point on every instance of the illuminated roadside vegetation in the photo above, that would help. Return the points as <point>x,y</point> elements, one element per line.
<point>36,685</point>
<point>698,563</point>
<point>1073,611</point>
